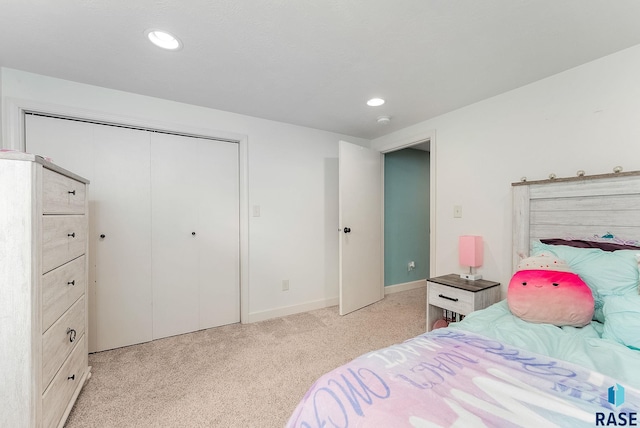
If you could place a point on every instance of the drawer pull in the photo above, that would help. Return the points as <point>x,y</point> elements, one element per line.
<point>72,192</point>
<point>72,377</point>
<point>71,282</point>
<point>453,299</point>
<point>72,334</point>
<point>72,235</point>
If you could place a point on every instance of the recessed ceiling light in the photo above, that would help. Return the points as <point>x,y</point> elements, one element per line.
<point>164,39</point>
<point>375,102</point>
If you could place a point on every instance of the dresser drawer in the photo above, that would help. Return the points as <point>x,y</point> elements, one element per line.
<point>453,299</point>
<point>57,397</point>
<point>61,194</point>
<point>60,339</point>
<point>63,239</point>
<point>60,288</point>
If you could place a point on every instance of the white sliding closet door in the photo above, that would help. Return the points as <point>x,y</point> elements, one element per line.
<point>116,161</point>
<point>195,222</point>
<point>121,212</point>
<point>168,207</point>
<point>68,144</point>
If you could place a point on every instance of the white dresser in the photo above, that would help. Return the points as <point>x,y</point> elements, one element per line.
<point>43,291</point>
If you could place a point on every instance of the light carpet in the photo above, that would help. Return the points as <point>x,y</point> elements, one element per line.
<point>250,375</point>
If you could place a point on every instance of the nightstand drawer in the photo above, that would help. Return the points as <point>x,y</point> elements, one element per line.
<point>450,298</point>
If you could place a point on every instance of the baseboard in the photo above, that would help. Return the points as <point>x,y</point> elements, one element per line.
<point>294,309</point>
<point>406,286</point>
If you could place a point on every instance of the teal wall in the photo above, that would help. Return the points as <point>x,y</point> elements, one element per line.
<point>406,215</point>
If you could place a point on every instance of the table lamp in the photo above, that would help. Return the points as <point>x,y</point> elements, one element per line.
<point>470,254</point>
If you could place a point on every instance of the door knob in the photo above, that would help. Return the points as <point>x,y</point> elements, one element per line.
<point>347,230</point>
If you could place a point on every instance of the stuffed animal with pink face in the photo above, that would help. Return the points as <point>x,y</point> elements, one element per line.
<point>544,290</point>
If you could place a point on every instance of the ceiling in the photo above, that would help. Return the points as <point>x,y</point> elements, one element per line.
<point>316,63</point>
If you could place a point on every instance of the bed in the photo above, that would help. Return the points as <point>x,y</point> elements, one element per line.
<point>495,368</point>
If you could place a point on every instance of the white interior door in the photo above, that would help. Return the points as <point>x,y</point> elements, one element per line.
<point>360,218</point>
<point>195,221</point>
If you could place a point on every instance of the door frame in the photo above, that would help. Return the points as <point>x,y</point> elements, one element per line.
<point>14,138</point>
<point>406,143</point>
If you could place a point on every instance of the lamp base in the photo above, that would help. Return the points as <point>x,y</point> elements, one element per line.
<point>470,276</point>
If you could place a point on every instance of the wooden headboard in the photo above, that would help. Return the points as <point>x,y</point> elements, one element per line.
<point>578,207</point>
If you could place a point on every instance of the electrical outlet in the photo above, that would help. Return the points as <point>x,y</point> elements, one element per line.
<point>285,285</point>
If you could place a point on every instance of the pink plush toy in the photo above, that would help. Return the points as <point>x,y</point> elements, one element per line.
<point>544,290</point>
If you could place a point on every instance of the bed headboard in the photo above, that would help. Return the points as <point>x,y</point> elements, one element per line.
<point>577,206</point>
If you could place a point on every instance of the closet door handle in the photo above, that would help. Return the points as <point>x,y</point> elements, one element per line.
<point>102,236</point>
<point>453,299</point>
<point>72,235</point>
<point>72,334</point>
<point>72,192</point>
<point>347,230</point>
<point>71,282</point>
<point>72,377</point>
<point>193,233</point>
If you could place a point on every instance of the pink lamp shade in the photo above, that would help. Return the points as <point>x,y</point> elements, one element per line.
<point>470,250</point>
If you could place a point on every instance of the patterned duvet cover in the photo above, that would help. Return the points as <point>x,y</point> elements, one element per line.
<point>453,378</point>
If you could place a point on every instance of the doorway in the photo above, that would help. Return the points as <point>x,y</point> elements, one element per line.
<point>425,141</point>
<point>373,222</point>
<point>406,217</point>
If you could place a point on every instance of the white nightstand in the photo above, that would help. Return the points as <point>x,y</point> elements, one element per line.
<point>450,292</point>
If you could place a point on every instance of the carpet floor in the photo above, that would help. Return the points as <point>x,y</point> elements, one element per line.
<point>250,375</point>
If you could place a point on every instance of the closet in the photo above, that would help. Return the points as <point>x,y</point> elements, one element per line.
<point>164,227</point>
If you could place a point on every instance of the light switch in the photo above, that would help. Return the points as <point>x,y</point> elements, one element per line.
<point>256,210</point>
<point>457,211</point>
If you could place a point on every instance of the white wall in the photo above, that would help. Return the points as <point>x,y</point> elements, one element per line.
<point>293,176</point>
<point>584,118</point>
